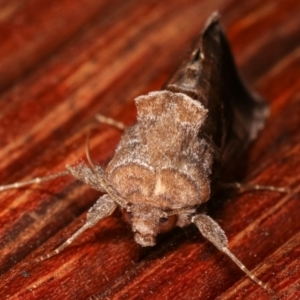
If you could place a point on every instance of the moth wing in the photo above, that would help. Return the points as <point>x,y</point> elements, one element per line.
<point>209,75</point>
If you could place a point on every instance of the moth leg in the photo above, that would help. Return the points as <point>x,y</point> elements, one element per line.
<point>86,174</point>
<point>112,122</point>
<point>103,208</point>
<point>242,187</point>
<point>215,234</point>
<point>36,180</point>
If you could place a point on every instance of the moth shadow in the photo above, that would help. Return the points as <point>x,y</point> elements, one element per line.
<point>236,172</point>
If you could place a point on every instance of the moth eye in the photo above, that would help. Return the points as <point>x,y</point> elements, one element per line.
<point>127,216</point>
<point>166,224</point>
<point>163,220</point>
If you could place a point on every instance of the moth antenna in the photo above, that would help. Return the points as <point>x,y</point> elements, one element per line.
<point>90,161</point>
<point>36,180</point>
<point>102,180</point>
<point>109,121</point>
<point>88,153</point>
<point>242,187</point>
<point>178,211</point>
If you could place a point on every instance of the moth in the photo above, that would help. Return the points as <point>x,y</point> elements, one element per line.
<point>169,164</point>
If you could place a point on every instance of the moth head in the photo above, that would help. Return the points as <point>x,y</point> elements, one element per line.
<point>147,221</point>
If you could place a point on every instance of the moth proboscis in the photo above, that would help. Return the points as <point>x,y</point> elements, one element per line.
<point>169,163</point>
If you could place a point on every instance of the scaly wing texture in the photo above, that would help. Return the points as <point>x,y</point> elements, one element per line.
<point>209,75</point>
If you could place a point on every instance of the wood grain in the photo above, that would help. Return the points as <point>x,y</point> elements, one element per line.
<point>62,62</point>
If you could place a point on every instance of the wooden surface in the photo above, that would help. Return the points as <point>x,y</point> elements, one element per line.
<point>63,61</point>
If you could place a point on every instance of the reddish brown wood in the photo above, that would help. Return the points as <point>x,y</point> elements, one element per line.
<point>32,30</point>
<point>61,62</point>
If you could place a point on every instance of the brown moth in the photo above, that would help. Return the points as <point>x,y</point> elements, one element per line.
<point>170,162</point>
